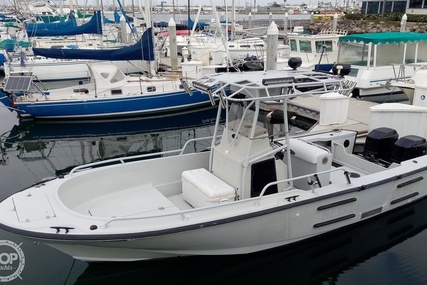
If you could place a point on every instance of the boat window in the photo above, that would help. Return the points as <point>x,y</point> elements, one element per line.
<point>353,53</point>
<point>245,46</point>
<point>151,88</point>
<point>235,112</point>
<point>422,51</point>
<point>118,76</point>
<point>116,92</point>
<point>105,74</point>
<point>293,45</point>
<point>241,121</point>
<point>390,53</point>
<point>320,44</point>
<point>305,46</point>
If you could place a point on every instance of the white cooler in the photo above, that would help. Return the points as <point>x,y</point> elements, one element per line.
<point>201,188</point>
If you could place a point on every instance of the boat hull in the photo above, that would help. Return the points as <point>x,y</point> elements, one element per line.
<point>220,237</point>
<point>131,105</point>
<point>237,227</point>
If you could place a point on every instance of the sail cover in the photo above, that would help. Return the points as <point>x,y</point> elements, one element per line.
<point>115,21</point>
<point>67,28</point>
<point>142,50</point>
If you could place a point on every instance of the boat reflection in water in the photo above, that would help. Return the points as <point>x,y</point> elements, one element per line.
<point>66,144</point>
<point>317,261</point>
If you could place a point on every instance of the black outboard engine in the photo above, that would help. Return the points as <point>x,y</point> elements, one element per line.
<point>408,147</point>
<point>379,144</point>
<point>294,62</point>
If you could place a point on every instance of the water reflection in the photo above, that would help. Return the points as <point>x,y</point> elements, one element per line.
<point>61,145</point>
<point>319,261</point>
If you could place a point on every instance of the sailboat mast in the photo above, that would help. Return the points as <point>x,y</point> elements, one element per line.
<point>101,37</point>
<point>188,12</point>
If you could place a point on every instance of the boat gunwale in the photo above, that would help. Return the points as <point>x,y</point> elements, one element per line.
<point>136,235</point>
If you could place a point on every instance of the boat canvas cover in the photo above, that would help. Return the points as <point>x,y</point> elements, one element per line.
<point>142,50</point>
<point>115,21</point>
<point>198,25</point>
<point>67,28</point>
<point>5,18</point>
<point>385,38</point>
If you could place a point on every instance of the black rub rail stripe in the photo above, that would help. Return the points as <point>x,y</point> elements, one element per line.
<point>333,221</point>
<point>390,179</point>
<point>410,182</point>
<point>404,198</point>
<point>331,205</point>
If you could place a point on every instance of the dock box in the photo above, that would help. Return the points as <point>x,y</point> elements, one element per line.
<point>201,188</point>
<point>333,108</point>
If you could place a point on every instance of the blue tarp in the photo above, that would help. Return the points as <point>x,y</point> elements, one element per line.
<point>2,59</point>
<point>142,50</point>
<point>6,18</point>
<point>199,24</point>
<point>67,28</point>
<point>115,21</point>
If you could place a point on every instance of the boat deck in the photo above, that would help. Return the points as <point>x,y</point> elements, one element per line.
<point>144,199</point>
<point>150,201</point>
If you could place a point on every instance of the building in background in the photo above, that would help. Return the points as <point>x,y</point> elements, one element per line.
<point>406,6</point>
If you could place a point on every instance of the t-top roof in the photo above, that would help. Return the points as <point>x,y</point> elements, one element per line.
<point>386,37</point>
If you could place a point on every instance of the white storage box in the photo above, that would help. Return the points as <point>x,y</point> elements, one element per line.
<point>333,108</point>
<point>192,69</point>
<point>201,188</point>
<point>404,118</point>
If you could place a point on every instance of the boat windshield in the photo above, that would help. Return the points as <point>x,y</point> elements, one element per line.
<point>242,118</point>
<point>320,45</point>
<point>118,76</point>
<point>354,53</point>
<point>386,54</point>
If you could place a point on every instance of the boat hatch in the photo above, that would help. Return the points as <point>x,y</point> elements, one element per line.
<point>32,206</point>
<point>17,83</point>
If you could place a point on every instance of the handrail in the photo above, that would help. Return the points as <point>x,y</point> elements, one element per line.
<point>322,90</point>
<point>123,160</point>
<point>183,213</point>
<point>296,178</point>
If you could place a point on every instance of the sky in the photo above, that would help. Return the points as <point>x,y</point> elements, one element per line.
<point>198,2</point>
<point>222,2</point>
<point>239,3</point>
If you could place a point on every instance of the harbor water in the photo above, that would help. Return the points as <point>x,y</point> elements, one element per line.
<point>389,250</point>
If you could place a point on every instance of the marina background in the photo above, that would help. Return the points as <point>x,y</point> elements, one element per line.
<point>389,250</point>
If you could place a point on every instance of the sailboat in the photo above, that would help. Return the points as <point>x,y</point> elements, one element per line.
<point>53,60</point>
<point>110,93</point>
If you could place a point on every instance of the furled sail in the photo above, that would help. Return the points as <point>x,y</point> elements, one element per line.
<point>142,50</point>
<point>67,28</point>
